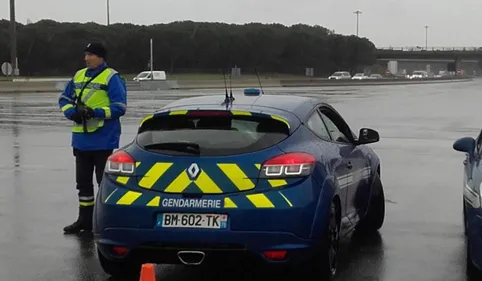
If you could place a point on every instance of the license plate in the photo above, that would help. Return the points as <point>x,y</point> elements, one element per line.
<point>213,221</point>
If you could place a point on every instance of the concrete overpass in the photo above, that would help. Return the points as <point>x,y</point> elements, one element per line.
<point>441,58</point>
<point>454,53</point>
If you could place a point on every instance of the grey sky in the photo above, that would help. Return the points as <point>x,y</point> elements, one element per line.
<point>384,22</point>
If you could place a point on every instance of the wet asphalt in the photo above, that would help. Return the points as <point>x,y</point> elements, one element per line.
<point>422,238</point>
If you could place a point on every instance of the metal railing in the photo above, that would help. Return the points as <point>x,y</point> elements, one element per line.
<point>420,49</point>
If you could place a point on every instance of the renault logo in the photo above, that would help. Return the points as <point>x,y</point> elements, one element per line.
<point>193,171</point>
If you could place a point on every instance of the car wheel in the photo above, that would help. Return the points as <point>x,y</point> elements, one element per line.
<point>324,263</point>
<point>375,215</point>
<point>118,268</point>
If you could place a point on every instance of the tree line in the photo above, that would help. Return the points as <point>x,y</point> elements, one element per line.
<point>52,48</point>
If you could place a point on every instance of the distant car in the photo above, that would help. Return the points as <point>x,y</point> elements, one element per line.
<point>419,74</point>
<point>472,210</point>
<point>340,75</point>
<point>277,178</point>
<point>376,76</point>
<point>150,75</point>
<point>359,76</point>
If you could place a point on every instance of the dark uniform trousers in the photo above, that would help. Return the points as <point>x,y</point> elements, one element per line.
<point>86,163</point>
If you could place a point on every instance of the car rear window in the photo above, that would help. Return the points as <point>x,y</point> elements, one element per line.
<point>212,135</point>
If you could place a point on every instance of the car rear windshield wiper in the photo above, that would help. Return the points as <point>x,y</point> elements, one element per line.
<point>188,147</point>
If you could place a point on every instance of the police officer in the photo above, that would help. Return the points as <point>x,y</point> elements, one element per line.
<point>94,100</point>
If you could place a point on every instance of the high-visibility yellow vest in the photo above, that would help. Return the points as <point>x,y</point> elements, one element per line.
<point>94,96</point>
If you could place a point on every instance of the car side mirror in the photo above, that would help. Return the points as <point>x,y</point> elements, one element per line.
<point>465,144</point>
<point>367,136</point>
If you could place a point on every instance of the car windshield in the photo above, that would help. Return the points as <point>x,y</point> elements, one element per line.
<point>418,72</point>
<point>143,74</point>
<point>210,135</point>
<point>337,74</point>
<point>359,74</point>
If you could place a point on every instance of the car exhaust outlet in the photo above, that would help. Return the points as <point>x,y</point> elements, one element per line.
<point>191,257</point>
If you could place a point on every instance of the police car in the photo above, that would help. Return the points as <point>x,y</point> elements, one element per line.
<point>277,178</point>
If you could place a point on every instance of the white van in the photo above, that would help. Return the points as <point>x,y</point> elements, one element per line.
<point>146,75</point>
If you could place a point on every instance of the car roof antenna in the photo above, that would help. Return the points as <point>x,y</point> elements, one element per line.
<point>227,101</point>
<point>231,86</point>
<point>225,87</point>
<point>259,81</point>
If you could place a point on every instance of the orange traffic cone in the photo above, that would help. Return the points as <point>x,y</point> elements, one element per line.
<point>147,272</point>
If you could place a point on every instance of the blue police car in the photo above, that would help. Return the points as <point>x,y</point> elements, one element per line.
<point>472,212</point>
<point>277,178</point>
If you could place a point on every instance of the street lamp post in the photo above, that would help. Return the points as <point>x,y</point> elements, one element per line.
<point>13,36</point>
<point>108,12</point>
<point>426,38</point>
<point>357,12</point>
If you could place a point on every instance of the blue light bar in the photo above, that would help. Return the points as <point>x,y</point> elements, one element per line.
<point>252,92</point>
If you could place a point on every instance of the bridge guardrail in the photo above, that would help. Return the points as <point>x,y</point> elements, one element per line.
<point>420,49</point>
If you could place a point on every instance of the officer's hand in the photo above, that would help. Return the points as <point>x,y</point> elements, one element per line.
<point>88,113</point>
<point>76,117</point>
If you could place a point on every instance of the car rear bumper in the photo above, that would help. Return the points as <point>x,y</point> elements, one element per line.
<point>164,246</point>
<point>292,222</point>
<point>474,235</point>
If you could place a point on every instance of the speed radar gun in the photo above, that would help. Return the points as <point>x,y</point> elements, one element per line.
<point>81,108</point>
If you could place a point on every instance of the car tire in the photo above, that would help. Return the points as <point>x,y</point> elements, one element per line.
<point>324,263</point>
<point>118,268</point>
<point>375,214</point>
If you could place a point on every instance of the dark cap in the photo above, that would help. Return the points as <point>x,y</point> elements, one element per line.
<point>96,49</point>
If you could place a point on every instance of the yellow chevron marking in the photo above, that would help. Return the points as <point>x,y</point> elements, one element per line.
<point>237,112</point>
<point>260,200</point>
<point>154,202</point>
<point>179,184</point>
<point>286,199</point>
<point>145,119</point>
<point>281,119</point>
<point>178,112</point>
<point>237,176</point>
<point>206,184</point>
<point>110,195</point>
<point>129,198</point>
<point>154,174</point>
<point>124,180</point>
<point>273,183</point>
<point>228,203</point>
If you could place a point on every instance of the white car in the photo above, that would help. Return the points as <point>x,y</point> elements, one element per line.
<point>359,76</point>
<point>419,74</point>
<point>340,75</point>
<point>375,76</point>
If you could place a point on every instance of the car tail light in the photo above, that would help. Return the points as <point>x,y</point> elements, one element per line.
<point>275,255</point>
<point>120,251</point>
<point>288,165</point>
<point>120,163</point>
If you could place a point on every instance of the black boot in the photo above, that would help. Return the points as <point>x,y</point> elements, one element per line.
<point>83,223</point>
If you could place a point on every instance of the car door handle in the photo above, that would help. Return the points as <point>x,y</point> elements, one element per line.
<point>349,165</point>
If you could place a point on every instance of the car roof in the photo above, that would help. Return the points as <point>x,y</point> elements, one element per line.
<point>295,108</point>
